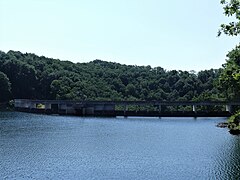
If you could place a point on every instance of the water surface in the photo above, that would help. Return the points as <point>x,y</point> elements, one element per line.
<point>58,147</point>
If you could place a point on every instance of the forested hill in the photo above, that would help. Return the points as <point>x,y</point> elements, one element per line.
<point>37,77</point>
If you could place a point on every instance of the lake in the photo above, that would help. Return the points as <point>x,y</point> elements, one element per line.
<point>36,146</point>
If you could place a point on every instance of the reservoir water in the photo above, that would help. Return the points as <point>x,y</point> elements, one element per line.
<point>58,147</point>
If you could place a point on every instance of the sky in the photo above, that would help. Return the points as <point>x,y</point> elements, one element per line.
<point>172,34</point>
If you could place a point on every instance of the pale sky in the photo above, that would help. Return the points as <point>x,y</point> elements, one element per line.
<point>172,34</point>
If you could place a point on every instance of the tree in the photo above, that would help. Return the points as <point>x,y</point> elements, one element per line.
<point>230,77</point>
<point>5,87</point>
<point>231,9</point>
<point>34,77</point>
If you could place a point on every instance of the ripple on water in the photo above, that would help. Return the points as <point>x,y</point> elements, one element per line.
<point>57,147</point>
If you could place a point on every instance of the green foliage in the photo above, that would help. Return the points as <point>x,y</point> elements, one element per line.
<point>234,122</point>
<point>40,106</point>
<point>231,8</point>
<point>37,77</point>
<point>5,87</point>
<point>230,76</point>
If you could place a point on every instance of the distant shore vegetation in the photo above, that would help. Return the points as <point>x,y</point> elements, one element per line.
<point>37,77</point>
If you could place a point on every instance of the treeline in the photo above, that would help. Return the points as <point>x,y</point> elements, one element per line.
<point>37,77</point>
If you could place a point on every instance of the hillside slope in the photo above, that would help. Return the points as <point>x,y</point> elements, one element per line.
<point>38,77</point>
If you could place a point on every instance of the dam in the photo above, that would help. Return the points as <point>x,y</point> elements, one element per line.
<point>128,108</point>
